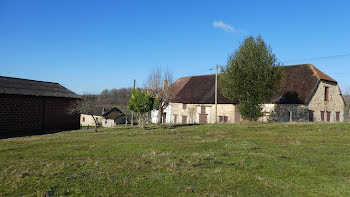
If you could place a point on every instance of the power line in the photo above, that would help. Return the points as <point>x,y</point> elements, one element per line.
<point>318,58</point>
<point>204,71</point>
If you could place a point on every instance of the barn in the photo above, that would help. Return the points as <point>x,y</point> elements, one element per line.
<point>29,106</point>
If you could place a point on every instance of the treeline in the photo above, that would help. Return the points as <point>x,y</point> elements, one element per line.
<point>111,98</point>
<point>114,96</point>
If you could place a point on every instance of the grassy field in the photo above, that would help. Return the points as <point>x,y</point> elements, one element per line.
<point>239,160</point>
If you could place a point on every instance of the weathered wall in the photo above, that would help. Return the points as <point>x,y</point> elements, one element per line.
<point>87,120</point>
<point>283,113</point>
<point>108,122</point>
<point>167,111</point>
<point>30,114</point>
<point>193,112</point>
<point>334,104</point>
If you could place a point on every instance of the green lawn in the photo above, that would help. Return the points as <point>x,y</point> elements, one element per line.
<point>239,160</point>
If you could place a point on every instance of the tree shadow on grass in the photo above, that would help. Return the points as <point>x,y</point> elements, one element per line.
<point>27,134</point>
<point>174,126</point>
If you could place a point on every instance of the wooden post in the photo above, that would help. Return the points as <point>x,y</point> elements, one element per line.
<point>216,95</point>
<point>132,113</point>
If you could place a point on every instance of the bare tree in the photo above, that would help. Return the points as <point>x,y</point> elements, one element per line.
<point>158,82</point>
<point>88,105</point>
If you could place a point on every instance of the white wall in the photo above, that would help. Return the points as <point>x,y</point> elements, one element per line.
<point>154,115</point>
<point>108,123</point>
<point>87,120</point>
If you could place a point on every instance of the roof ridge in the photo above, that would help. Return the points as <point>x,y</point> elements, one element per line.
<point>312,67</point>
<point>317,72</point>
<point>28,79</point>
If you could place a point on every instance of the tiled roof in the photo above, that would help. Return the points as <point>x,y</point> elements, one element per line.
<point>197,89</point>
<point>16,86</point>
<point>300,81</point>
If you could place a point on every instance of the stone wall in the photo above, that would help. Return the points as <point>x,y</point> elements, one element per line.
<point>227,112</point>
<point>334,104</point>
<point>284,113</point>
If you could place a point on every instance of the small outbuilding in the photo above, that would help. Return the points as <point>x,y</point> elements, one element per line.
<point>113,117</point>
<point>29,106</point>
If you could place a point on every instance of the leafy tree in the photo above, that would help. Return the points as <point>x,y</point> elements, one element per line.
<point>252,76</point>
<point>141,102</point>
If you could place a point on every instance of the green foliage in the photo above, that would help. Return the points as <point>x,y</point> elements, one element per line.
<point>252,76</point>
<point>141,101</point>
<point>156,103</point>
<point>250,109</point>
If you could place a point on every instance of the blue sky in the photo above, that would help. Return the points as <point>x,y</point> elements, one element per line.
<point>89,46</point>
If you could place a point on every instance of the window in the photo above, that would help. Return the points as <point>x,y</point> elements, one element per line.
<point>223,119</point>
<point>83,119</point>
<point>337,116</point>
<point>322,115</point>
<point>184,106</point>
<point>311,116</point>
<point>328,116</point>
<point>105,121</point>
<point>326,93</point>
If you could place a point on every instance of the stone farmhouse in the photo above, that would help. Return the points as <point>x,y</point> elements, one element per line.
<point>308,95</point>
<point>28,106</point>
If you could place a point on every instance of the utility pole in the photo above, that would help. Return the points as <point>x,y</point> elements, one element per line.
<point>216,95</point>
<point>132,113</point>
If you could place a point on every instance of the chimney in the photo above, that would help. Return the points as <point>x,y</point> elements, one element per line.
<point>165,85</point>
<point>103,111</point>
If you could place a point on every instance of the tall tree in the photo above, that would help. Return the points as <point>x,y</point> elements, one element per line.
<point>158,82</point>
<point>141,102</point>
<point>252,76</point>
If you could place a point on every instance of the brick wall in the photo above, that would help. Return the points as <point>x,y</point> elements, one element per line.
<point>29,114</point>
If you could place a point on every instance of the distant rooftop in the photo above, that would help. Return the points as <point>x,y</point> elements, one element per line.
<point>17,86</point>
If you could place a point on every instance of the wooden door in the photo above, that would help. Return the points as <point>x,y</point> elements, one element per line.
<point>184,119</point>
<point>328,116</point>
<point>203,118</point>
<point>311,116</point>
<point>164,118</point>
<point>175,119</point>
<point>337,116</point>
